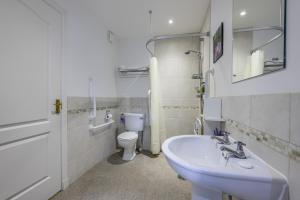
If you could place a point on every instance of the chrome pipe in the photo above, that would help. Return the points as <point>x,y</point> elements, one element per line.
<point>163,37</point>
<point>147,43</point>
<point>251,29</point>
<point>267,43</point>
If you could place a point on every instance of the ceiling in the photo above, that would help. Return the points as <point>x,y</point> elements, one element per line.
<point>130,18</point>
<point>259,13</point>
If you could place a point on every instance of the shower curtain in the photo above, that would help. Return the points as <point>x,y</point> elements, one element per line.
<point>254,65</point>
<point>156,115</point>
<point>257,63</point>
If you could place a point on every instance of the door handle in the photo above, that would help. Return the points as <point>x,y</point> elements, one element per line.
<point>58,106</point>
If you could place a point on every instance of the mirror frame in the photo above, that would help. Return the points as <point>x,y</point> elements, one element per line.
<point>284,15</point>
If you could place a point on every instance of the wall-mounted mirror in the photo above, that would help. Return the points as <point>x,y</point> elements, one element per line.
<point>258,38</point>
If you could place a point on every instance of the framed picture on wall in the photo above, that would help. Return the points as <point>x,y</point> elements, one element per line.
<point>218,43</point>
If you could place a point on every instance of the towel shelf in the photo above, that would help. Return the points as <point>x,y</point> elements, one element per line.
<point>212,119</point>
<point>94,129</point>
<point>146,69</point>
<point>133,72</point>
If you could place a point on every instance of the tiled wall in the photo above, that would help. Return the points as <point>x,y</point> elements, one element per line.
<point>179,119</point>
<point>86,149</point>
<point>270,126</point>
<point>179,102</point>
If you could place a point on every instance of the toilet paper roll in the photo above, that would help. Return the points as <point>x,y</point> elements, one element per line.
<point>108,116</point>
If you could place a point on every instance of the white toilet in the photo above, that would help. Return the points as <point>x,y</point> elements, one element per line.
<point>134,122</point>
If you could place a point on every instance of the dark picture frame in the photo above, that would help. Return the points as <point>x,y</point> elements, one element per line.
<point>218,43</point>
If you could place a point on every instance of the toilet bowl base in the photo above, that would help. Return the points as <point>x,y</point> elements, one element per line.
<point>128,154</point>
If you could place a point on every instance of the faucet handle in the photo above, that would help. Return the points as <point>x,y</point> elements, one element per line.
<point>239,146</point>
<point>226,134</point>
<point>239,143</point>
<point>226,138</point>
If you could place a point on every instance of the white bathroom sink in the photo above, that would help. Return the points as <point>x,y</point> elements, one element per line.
<point>198,159</point>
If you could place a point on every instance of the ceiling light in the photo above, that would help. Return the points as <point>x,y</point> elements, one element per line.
<point>243,13</point>
<point>171,21</point>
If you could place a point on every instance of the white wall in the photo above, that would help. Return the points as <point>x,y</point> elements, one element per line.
<point>278,82</point>
<point>132,53</point>
<point>87,52</point>
<point>205,47</point>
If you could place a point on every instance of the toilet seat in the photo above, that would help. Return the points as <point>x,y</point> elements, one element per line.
<point>128,136</point>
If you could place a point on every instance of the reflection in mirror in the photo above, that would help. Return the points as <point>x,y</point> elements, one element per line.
<point>258,38</point>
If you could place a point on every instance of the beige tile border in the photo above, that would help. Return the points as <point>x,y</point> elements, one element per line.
<point>281,146</point>
<point>78,105</point>
<point>180,107</point>
<point>83,110</point>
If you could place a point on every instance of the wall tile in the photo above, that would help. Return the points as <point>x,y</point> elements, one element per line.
<point>275,159</point>
<point>194,101</point>
<point>179,101</point>
<point>84,148</point>
<point>107,102</point>
<point>186,88</point>
<point>237,108</point>
<point>294,180</point>
<point>124,102</point>
<point>168,67</point>
<point>147,138</point>
<point>139,102</point>
<point>186,127</point>
<point>172,127</point>
<point>270,114</point>
<point>188,67</point>
<point>236,131</point>
<point>295,119</point>
<point>83,104</point>
<point>273,134</point>
<point>171,113</point>
<point>72,170</point>
<point>169,88</point>
<point>78,103</point>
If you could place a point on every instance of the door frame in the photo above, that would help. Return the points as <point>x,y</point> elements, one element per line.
<point>63,130</point>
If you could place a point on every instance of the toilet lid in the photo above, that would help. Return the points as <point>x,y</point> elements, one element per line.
<point>128,135</point>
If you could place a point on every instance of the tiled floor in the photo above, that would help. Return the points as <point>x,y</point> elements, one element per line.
<point>144,178</point>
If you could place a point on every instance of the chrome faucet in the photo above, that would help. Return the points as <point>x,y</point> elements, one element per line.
<point>239,153</point>
<point>224,140</point>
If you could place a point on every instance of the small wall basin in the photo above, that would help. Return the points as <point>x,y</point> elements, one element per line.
<point>199,160</point>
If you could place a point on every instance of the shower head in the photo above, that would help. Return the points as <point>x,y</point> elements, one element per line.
<point>192,51</point>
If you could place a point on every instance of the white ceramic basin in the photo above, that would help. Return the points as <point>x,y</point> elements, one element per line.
<point>199,160</point>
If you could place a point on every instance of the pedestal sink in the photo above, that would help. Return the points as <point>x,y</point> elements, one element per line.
<point>199,160</point>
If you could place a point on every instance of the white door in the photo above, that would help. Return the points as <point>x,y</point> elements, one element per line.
<point>30,81</point>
